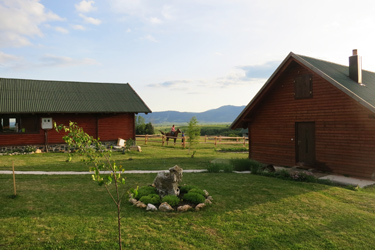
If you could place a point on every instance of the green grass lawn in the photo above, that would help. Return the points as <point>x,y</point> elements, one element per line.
<point>249,211</point>
<point>152,157</point>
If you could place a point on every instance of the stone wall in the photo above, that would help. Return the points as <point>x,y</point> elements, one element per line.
<point>51,148</point>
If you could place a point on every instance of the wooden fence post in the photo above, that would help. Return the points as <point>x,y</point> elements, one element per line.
<point>244,141</point>
<point>14,180</point>
<point>162,140</point>
<point>146,139</point>
<point>183,142</point>
<point>215,140</point>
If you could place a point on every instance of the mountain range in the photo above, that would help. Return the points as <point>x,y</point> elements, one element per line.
<point>224,114</point>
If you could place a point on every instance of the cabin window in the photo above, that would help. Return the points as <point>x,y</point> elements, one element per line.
<point>18,124</point>
<point>303,87</point>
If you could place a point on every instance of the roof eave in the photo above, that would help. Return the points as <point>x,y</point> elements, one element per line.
<point>237,122</point>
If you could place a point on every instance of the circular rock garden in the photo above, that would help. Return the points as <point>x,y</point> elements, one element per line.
<point>166,195</point>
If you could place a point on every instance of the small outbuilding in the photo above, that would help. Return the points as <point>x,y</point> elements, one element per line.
<point>314,114</point>
<point>28,109</point>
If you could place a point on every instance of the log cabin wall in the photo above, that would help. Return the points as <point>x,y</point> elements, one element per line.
<point>107,127</point>
<point>344,129</point>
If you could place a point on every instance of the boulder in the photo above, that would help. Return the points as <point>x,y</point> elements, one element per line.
<point>140,204</point>
<point>167,183</point>
<point>199,206</point>
<point>184,208</point>
<point>133,201</point>
<point>151,207</point>
<point>135,148</point>
<point>208,202</point>
<point>210,198</point>
<point>206,194</point>
<point>165,207</point>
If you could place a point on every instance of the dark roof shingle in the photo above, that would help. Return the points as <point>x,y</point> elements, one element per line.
<point>39,96</point>
<point>336,74</point>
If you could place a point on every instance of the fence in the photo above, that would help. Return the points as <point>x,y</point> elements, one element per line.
<point>203,139</point>
<point>226,140</point>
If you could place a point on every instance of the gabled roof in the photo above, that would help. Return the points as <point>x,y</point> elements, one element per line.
<point>336,74</point>
<point>39,96</point>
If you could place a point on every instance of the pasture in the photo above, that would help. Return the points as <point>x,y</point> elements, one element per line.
<point>249,211</point>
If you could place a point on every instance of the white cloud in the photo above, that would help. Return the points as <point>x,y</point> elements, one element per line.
<point>62,30</point>
<point>64,61</point>
<point>6,59</point>
<point>90,20</point>
<point>155,20</point>
<point>78,27</point>
<point>20,19</point>
<point>85,6</point>
<point>150,38</point>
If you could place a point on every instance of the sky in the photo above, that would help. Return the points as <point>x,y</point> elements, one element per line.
<point>182,55</point>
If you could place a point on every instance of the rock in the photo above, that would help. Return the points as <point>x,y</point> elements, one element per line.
<point>136,148</point>
<point>207,201</point>
<point>210,198</point>
<point>38,151</point>
<point>151,207</point>
<point>269,168</point>
<point>199,206</point>
<point>206,194</point>
<point>167,183</point>
<point>165,207</point>
<point>184,208</point>
<point>133,201</point>
<point>140,204</point>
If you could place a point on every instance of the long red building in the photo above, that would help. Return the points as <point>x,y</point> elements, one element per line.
<point>316,114</point>
<point>28,108</point>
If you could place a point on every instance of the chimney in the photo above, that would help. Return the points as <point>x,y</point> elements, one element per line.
<point>355,67</point>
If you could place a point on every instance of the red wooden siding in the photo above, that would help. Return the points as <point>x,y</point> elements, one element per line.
<point>344,129</point>
<point>108,127</point>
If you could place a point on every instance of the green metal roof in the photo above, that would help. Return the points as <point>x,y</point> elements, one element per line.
<point>40,96</point>
<point>336,74</point>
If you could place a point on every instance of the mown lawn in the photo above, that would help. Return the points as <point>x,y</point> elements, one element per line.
<point>249,212</point>
<point>152,157</point>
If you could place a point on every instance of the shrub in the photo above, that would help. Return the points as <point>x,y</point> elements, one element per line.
<point>171,200</point>
<point>197,190</point>
<point>228,168</point>
<point>213,168</point>
<point>154,199</point>
<point>237,149</point>
<point>194,198</point>
<point>144,191</point>
<point>283,174</point>
<point>246,165</point>
<point>302,176</point>
<point>186,188</point>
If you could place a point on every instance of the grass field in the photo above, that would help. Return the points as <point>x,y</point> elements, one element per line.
<point>249,211</point>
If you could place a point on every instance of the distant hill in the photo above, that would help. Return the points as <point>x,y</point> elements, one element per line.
<point>224,114</point>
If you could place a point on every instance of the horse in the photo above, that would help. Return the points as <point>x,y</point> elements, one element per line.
<point>169,135</point>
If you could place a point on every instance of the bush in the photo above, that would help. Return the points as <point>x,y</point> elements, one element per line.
<point>213,168</point>
<point>154,199</point>
<point>302,176</point>
<point>194,198</point>
<point>228,168</point>
<point>171,200</point>
<point>197,190</point>
<point>186,188</point>
<point>144,191</point>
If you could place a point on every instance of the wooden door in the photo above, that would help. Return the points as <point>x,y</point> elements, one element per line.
<point>305,143</point>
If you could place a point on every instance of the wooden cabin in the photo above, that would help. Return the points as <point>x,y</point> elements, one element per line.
<point>315,114</point>
<point>28,109</point>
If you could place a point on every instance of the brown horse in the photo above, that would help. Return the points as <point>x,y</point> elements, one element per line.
<point>169,135</point>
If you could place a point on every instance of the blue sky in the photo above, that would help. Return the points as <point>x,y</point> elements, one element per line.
<point>184,55</point>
